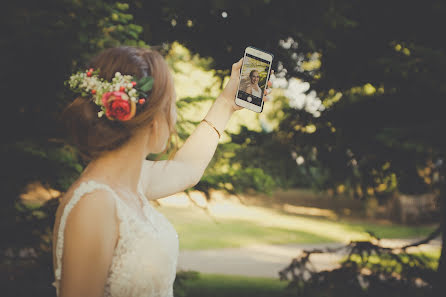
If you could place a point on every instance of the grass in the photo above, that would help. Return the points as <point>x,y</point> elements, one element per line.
<point>217,285</point>
<point>234,225</point>
<point>430,258</point>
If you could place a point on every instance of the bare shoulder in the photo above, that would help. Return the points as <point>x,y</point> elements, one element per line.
<point>92,221</point>
<point>90,238</point>
<point>98,207</point>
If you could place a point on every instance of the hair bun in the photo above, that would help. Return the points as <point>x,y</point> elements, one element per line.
<point>92,135</point>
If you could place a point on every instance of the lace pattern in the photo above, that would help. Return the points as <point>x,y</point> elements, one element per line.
<point>145,258</point>
<point>256,92</point>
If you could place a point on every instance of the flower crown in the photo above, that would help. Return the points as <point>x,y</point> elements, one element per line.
<point>118,99</point>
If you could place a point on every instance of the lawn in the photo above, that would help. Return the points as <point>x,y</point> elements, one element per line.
<point>236,225</point>
<point>216,285</point>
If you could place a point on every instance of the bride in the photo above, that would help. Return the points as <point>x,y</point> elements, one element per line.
<point>253,86</point>
<point>107,239</point>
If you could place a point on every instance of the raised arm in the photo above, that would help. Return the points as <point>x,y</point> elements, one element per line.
<point>90,237</point>
<point>164,178</point>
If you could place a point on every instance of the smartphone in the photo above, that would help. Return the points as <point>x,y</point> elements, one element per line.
<point>254,76</point>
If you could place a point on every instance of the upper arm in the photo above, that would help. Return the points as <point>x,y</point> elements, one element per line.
<point>167,177</point>
<point>90,237</point>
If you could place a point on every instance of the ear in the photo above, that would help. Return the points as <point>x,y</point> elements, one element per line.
<point>154,126</point>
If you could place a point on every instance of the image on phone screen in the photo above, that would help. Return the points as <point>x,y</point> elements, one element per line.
<point>253,79</point>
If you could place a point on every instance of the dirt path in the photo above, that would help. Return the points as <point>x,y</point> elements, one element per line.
<point>268,260</point>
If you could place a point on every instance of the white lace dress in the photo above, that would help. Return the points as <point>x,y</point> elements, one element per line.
<point>145,259</point>
<point>255,92</point>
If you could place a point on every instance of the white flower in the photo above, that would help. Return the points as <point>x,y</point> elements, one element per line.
<point>129,86</point>
<point>280,82</point>
<point>118,74</point>
<point>286,43</point>
<point>295,92</point>
<point>132,92</point>
<point>133,99</point>
<point>100,113</point>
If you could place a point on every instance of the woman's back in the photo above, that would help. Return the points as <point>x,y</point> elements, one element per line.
<point>144,256</point>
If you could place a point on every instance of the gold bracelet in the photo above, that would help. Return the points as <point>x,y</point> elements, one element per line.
<point>210,124</point>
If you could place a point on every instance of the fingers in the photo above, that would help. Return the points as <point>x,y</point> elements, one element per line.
<point>237,65</point>
<point>235,72</point>
<point>267,91</point>
<point>269,81</point>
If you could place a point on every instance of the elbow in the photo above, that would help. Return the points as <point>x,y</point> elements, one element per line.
<point>196,176</point>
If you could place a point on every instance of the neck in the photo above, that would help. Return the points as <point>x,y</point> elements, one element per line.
<point>121,168</point>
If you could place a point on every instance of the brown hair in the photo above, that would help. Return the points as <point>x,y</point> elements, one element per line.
<point>93,135</point>
<point>252,71</point>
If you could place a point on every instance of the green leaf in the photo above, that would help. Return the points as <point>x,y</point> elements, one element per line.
<point>143,80</point>
<point>122,6</point>
<point>146,84</point>
<point>133,34</point>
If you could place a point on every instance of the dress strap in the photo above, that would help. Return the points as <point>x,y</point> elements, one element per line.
<point>84,188</point>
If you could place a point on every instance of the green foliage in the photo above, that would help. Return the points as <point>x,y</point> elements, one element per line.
<point>369,270</point>
<point>237,181</point>
<point>46,43</point>
<point>85,27</point>
<point>388,74</point>
<point>398,264</point>
<point>181,279</point>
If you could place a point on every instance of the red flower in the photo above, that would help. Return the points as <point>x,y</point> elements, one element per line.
<point>118,106</point>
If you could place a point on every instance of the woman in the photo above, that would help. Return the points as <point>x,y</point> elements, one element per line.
<point>253,86</point>
<point>108,240</point>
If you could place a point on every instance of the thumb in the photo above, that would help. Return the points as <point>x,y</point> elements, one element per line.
<point>236,68</point>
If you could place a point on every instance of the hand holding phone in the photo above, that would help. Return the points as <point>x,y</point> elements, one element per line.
<point>254,77</point>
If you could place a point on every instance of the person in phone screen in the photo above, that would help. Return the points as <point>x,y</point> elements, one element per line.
<point>253,86</point>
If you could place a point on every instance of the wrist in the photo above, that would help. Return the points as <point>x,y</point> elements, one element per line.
<point>225,103</point>
<point>219,113</point>
<point>212,125</point>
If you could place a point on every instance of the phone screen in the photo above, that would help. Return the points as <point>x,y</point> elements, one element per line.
<point>253,78</point>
